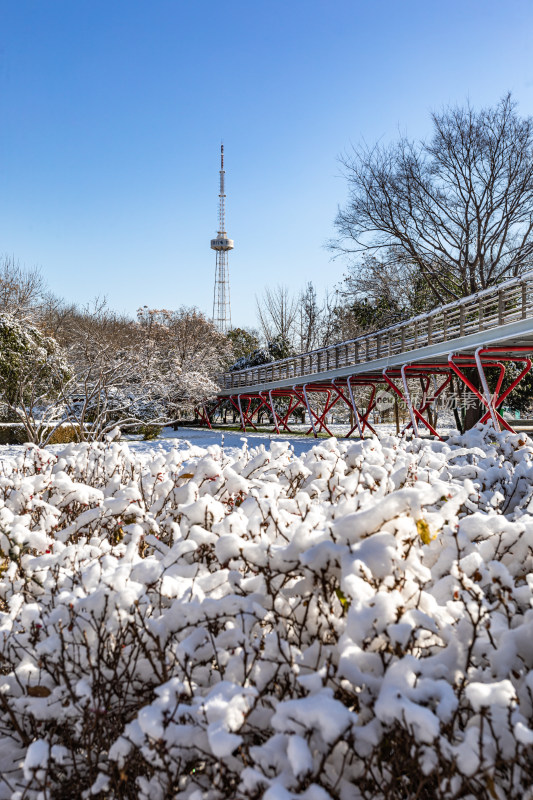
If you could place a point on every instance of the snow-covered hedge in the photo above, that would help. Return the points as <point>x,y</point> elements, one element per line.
<point>353,623</point>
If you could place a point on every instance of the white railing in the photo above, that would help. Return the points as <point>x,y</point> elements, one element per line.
<point>500,305</point>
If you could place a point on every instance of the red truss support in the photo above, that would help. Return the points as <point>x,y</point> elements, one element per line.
<point>247,412</point>
<point>204,414</point>
<point>275,416</point>
<point>293,405</point>
<point>361,419</point>
<point>245,415</point>
<point>396,379</point>
<point>327,407</point>
<point>334,392</point>
<point>491,357</point>
<point>425,372</point>
<point>304,400</point>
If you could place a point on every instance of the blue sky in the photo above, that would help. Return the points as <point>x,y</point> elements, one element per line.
<point>113,112</point>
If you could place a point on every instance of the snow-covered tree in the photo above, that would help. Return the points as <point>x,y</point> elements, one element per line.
<point>33,372</point>
<point>186,351</point>
<point>22,291</point>
<point>111,371</point>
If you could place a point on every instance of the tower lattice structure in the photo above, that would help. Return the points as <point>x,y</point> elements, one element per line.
<point>222,245</point>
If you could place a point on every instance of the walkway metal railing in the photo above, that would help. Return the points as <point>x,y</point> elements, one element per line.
<point>491,308</point>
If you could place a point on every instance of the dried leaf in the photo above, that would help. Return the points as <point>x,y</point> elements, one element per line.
<point>186,475</point>
<point>345,603</point>
<point>38,691</point>
<point>423,531</point>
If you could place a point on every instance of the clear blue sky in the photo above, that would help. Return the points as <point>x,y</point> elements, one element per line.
<point>112,113</point>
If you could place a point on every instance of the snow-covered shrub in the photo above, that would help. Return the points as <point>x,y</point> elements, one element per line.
<point>33,373</point>
<point>354,623</point>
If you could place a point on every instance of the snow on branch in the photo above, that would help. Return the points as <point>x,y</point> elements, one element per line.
<point>354,623</point>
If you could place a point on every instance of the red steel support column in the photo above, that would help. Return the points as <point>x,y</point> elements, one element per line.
<point>493,360</point>
<point>274,415</point>
<point>351,405</point>
<point>292,407</point>
<point>240,412</point>
<point>355,409</point>
<point>407,398</point>
<point>490,399</point>
<point>202,413</point>
<point>207,417</point>
<point>305,401</point>
<point>416,414</point>
<point>309,410</point>
<point>327,407</point>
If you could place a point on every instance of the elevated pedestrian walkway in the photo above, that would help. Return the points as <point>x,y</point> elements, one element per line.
<point>491,328</point>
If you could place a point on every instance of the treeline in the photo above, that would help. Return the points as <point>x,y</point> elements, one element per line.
<point>92,369</point>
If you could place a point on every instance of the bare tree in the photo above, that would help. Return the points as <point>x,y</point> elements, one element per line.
<point>309,320</point>
<point>277,312</point>
<point>187,336</point>
<point>21,290</point>
<point>96,369</point>
<point>316,322</point>
<point>390,282</point>
<point>328,333</point>
<point>127,372</point>
<point>58,318</point>
<point>457,208</point>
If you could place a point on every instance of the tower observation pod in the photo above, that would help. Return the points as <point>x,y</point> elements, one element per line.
<point>222,245</point>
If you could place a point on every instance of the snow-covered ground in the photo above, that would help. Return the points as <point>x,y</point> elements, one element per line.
<point>300,443</point>
<point>277,619</point>
<point>230,440</point>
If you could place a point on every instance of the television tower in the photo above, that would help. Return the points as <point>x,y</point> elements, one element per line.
<point>221,301</point>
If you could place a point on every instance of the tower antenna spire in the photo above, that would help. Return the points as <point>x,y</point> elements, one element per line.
<point>222,244</point>
<point>222,195</point>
